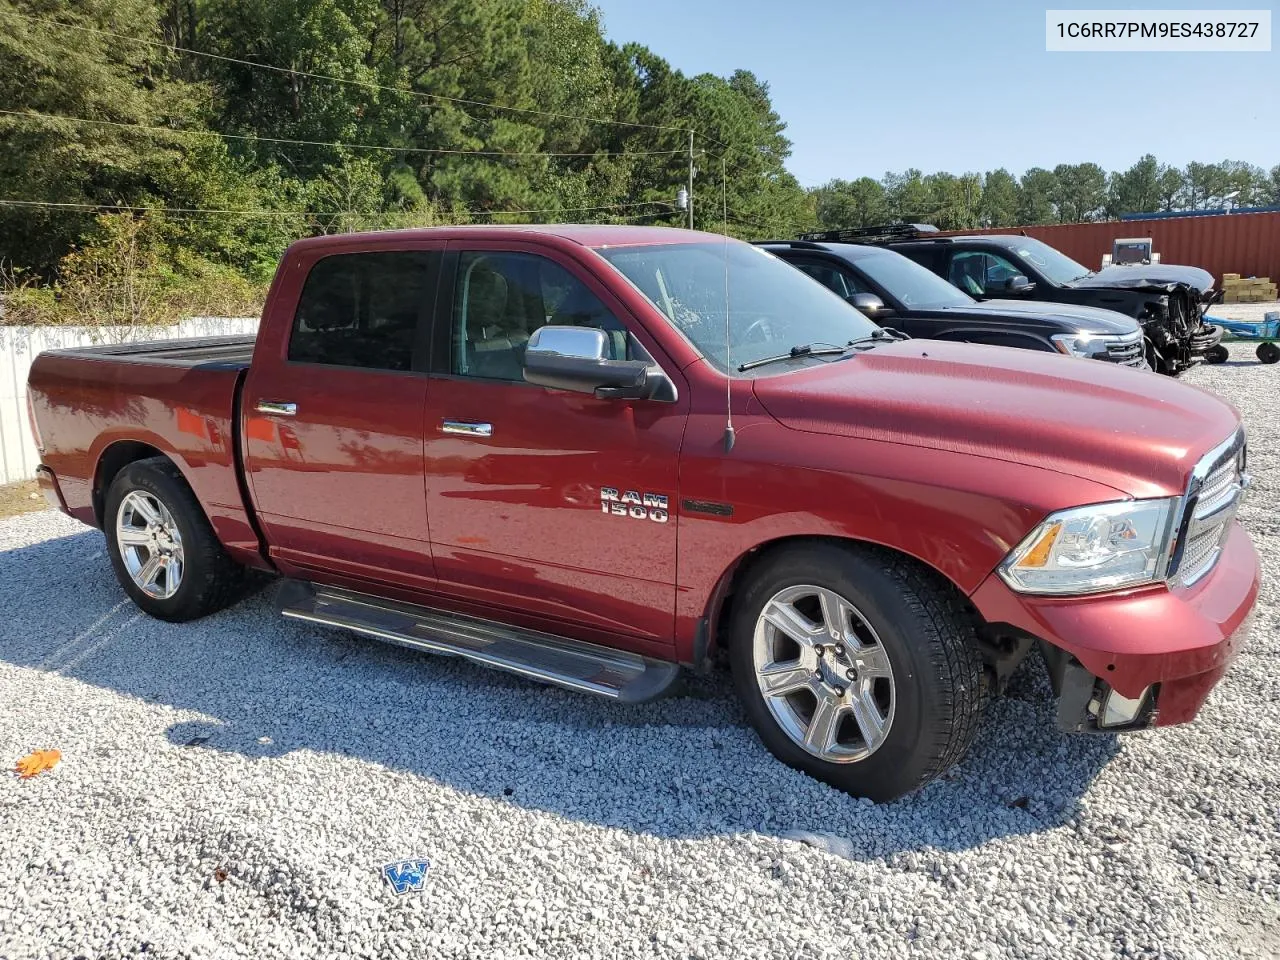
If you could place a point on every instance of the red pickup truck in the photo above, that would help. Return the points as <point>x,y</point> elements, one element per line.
<point>593,455</point>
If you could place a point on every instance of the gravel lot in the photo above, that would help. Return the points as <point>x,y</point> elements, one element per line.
<point>230,788</point>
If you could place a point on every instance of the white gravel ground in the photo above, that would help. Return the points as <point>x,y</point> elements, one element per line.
<point>230,788</point>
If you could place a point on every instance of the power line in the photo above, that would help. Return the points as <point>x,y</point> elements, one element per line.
<point>181,210</point>
<point>607,206</point>
<point>113,207</point>
<point>369,84</point>
<point>31,114</point>
<point>400,90</point>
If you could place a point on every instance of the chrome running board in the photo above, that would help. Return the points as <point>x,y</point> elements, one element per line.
<point>580,666</point>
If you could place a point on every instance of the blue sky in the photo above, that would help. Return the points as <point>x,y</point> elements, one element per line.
<point>867,87</point>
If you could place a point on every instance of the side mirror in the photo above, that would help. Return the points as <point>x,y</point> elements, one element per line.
<point>869,304</point>
<point>1018,284</point>
<point>577,359</point>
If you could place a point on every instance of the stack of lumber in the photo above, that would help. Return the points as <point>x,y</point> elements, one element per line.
<point>1237,289</point>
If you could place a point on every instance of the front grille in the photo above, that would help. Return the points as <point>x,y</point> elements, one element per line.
<point>1213,497</point>
<point>1126,350</point>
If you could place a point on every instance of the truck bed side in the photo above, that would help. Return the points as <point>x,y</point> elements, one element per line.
<point>99,408</point>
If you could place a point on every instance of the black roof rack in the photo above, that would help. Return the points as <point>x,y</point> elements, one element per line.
<point>886,233</point>
<point>797,244</point>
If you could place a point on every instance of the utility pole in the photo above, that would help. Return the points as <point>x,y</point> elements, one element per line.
<point>690,179</point>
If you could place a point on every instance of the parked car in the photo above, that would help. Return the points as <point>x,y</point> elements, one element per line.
<point>1169,301</point>
<point>892,289</point>
<point>484,442</point>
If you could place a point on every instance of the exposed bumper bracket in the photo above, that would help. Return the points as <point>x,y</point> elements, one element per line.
<point>1089,705</point>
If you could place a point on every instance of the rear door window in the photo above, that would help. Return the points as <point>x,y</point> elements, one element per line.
<point>365,310</point>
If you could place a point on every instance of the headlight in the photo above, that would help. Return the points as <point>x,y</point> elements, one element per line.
<point>1091,345</point>
<point>1105,546</point>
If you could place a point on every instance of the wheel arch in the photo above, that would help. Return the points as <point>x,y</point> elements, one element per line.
<point>719,606</point>
<point>116,456</point>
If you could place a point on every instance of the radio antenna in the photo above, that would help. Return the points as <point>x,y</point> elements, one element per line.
<point>729,435</point>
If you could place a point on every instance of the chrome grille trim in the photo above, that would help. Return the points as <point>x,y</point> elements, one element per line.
<point>1213,496</point>
<point>1126,350</point>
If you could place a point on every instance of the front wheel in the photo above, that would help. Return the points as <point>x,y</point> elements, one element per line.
<point>1268,352</point>
<point>1217,354</point>
<point>857,667</point>
<point>163,550</point>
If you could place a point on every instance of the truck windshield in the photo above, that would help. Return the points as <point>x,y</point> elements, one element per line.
<point>772,306</point>
<point>916,287</point>
<point>1056,266</point>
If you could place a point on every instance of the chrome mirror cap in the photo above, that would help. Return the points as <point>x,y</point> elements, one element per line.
<point>581,343</point>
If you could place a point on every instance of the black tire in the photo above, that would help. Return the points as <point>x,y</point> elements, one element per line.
<point>210,579</point>
<point>922,626</point>
<point>1268,352</point>
<point>1217,354</point>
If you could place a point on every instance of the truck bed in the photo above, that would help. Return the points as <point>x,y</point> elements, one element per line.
<point>233,351</point>
<point>180,398</point>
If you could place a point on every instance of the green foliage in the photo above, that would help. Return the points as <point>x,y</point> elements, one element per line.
<point>1035,200</point>
<point>389,96</point>
<point>127,275</point>
<point>1068,193</point>
<point>395,100</point>
<point>1079,192</point>
<point>955,203</point>
<point>1138,188</point>
<point>858,203</point>
<point>73,73</point>
<point>999,199</point>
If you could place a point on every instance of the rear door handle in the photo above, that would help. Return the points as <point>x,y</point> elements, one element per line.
<point>466,428</point>
<point>279,408</point>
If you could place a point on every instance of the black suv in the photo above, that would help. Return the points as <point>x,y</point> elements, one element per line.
<point>897,292</point>
<point>1168,301</point>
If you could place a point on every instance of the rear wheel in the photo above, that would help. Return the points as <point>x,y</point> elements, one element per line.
<point>1268,352</point>
<point>1218,354</point>
<point>163,550</point>
<point>857,667</point>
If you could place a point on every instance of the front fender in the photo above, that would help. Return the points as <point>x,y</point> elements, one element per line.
<point>957,513</point>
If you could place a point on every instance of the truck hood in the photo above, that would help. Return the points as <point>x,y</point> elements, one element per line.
<point>1155,277</point>
<point>1135,431</point>
<point>1078,317</point>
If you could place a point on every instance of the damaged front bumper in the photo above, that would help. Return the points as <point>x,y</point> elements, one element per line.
<point>1146,657</point>
<point>1205,338</point>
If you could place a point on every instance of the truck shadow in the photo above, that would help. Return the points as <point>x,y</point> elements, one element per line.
<point>687,766</point>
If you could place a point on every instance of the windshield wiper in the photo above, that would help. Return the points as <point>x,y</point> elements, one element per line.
<point>877,336</point>
<point>801,350</point>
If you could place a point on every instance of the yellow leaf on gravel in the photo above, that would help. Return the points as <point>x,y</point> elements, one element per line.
<point>36,763</point>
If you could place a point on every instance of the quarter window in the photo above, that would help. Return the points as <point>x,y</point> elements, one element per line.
<point>501,298</point>
<point>362,310</point>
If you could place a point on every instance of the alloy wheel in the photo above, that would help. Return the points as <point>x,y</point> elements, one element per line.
<point>150,544</point>
<point>824,674</point>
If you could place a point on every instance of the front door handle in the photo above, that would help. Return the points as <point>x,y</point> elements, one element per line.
<point>466,428</point>
<point>279,408</point>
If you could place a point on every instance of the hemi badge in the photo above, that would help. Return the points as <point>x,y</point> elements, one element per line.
<point>707,506</point>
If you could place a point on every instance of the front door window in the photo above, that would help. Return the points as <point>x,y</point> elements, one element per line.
<point>981,274</point>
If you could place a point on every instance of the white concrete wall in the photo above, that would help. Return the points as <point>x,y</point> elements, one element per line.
<point>20,345</point>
